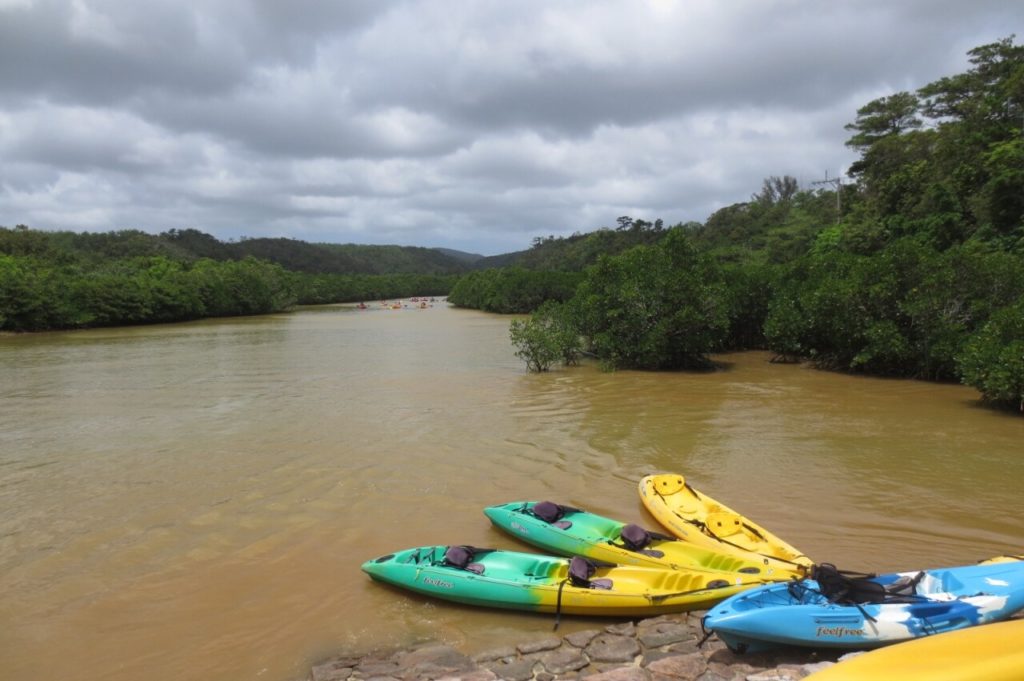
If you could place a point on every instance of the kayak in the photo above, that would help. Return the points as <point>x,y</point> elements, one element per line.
<point>574,532</point>
<point>526,581</point>
<point>833,611</point>
<point>697,518</point>
<point>992,652</point>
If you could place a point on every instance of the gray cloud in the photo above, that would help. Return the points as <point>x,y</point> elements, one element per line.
<point>475,124</point>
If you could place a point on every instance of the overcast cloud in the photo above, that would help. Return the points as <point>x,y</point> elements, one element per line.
<point>470,124</point>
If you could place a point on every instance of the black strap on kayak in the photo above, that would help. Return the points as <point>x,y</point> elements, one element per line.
<point>704,529</point>
<point>754,531</point>
<point>846,588</point>
<point>708,633</point>
<point>558,605</point>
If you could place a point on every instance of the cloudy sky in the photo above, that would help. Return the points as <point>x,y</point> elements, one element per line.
<point>469,124</point>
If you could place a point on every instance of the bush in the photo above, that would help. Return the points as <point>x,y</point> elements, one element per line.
<point>993,359</point>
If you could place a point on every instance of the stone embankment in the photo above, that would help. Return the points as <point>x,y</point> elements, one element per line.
<point>666,648</point>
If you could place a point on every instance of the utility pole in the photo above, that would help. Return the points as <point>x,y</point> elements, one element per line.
<point>838,182</point>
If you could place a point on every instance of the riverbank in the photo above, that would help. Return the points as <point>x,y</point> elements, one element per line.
<point>669,647</point>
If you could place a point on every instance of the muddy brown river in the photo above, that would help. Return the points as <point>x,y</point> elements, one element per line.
<point>193,501</point>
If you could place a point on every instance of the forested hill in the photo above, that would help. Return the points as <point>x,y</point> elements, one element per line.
<point>190,244</point>
<point>576,252</point>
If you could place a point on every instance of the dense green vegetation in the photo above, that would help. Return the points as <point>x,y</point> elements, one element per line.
<point>512,289</point>
<point>61,280</point>
<point>916,269</point>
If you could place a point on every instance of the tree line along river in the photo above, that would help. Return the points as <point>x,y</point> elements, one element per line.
<point>193,501</point>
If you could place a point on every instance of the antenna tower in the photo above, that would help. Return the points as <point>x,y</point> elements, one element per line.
<point>838,183</point>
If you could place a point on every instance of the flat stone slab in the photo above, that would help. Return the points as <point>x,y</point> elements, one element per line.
<point>665,634</point>
<point>540,645</point>
<point>564,660</point>
<point>680,666</point>
<point>613,648</point>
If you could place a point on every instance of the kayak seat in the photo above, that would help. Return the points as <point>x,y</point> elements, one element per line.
<point>684,500</point>
<point>724,524</point>
<point>460,557</point>
<point>636,538</point>
<point>666,485</point>
<point>580,571</point>
<point>551,513</point>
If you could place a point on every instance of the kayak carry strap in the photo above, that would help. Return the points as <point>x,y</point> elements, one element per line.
<point>558,605</point>
<point>708,633</point>
<point>580,572</point>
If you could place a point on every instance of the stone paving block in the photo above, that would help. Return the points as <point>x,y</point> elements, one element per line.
<point>540,645</point>
<point>580,639</point>
<point>623,629</point>
<point>680,666</point>
<point>620,674</point>
<point>664,634</point>
<point>564,660</point>
<point>613,648</point>
<point>517,670</point>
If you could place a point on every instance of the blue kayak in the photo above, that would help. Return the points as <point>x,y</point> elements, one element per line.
<point>835,611</point>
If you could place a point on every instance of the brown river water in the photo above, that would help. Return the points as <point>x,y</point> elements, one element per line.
<point>194,501</point>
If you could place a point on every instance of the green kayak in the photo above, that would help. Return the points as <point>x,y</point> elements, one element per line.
<point>571,531</point>
<point>527,581</point>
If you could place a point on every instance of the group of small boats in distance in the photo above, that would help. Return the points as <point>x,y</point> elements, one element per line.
<point>421,303</point>
<point>760,592</point>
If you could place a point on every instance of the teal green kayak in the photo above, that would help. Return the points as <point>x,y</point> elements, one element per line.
<point>526,581</point>
<point>571,531</point>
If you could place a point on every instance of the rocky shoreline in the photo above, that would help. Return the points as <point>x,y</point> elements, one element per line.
<point>665,648</point>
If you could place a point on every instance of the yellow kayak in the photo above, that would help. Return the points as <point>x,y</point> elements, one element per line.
<point>699,519</point>
<point>1002,559</point>
<point>989,652</point>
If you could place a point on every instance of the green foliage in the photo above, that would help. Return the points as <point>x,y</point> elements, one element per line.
<point>906,311</point>
<point>36,295</point>
<point>512,289</point>
<point>993,359</point>
<point>548,336</point>
<point>319,289</point>
<point>779,224</point>
<point>884,117</point>
<point>533,343</point>
<point>59,280</point>
<point>654,307</point>
<point>959,178</point>
<point>576,252</point>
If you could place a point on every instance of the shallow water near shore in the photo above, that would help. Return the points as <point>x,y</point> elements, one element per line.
<point>193,501</point>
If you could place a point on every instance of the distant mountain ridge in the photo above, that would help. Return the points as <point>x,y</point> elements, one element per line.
<point>571,253</point>
<point>462,256</point>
